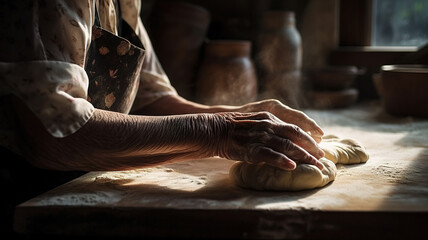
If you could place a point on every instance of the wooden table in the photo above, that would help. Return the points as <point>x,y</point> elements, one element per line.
<point>386,197</point>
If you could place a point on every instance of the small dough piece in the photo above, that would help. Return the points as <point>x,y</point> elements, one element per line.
<point>343,151</point>
<point>265,177</point>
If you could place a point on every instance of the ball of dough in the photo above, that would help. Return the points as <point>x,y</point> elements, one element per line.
<point>265,177</point>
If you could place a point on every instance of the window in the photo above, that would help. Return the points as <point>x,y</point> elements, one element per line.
<point>373,33</point>
<point>399,22</point>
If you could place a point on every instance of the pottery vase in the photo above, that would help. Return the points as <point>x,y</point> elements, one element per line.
<point>227,74</point>
<point>178,31</point>
<point>279,57</point>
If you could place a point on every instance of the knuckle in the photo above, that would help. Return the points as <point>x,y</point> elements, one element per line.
<point>296,152</point>
<point>278,104</point>
<point>299,113</point>
<point>300,116</point>
<point>306,157</point>
<point>288,146</point>
<point>265,115</point>
<point>296,131</point>
<point>264,136</point>
<point>273,104</point>
<point>260,136</point>
<point>253,153</point>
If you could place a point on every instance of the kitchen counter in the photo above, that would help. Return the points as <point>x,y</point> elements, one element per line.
<point>385,197</point>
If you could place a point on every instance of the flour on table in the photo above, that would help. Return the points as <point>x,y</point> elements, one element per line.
<point>265,177</point>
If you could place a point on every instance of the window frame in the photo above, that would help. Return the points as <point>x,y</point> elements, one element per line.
<point>355,19</point>
<point>355,39</point>
<point>354,46</point>
<point>355,22</point>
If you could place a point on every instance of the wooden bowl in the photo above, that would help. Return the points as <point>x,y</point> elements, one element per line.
<point>333,77</point>
<point>404,89</point>
<point>333,99</point>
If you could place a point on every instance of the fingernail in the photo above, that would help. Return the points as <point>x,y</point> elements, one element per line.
<point>289,165</point>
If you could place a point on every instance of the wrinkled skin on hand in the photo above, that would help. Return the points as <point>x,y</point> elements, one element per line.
<point>286,114</point>
<point>263,137</point>
<point>248,143</point>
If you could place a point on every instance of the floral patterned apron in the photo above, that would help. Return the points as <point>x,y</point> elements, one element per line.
<point>113,65</point>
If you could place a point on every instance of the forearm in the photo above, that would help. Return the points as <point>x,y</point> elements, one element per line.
<point>173,105</point>
<point>114,141</point>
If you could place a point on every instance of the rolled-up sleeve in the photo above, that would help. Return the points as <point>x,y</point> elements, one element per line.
<point>55,92</point>
<point>43,52</point>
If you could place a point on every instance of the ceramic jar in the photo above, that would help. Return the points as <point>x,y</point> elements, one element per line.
<point>279,57</point>
<point>403,89</point>
<point>227,74</point>
<point>177,31</point>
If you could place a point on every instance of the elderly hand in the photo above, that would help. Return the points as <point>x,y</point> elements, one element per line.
<point>262,137</point>
<point>287,115</point>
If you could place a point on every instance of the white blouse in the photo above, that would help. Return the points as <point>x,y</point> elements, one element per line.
<point>43,50</point>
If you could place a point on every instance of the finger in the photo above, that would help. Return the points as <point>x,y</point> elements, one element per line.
<point>306,123</point>
<point>314,131</point>
<point>272,158</point>
<point>292,151</point>
<point>316,137</point>
<point>300,138</point>
<point>302,157</point>
<point>312,128</point>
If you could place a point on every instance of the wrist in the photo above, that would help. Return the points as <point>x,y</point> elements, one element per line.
<point>223,126</point>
